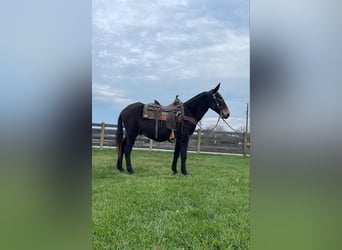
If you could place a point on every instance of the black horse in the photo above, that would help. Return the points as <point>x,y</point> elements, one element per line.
<point>194,109</point>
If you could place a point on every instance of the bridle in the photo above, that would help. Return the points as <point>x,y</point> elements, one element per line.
<point>217,104</point>
<point>195,122</point>
<point>220,115</point>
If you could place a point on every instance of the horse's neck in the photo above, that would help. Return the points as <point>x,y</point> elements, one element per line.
<point>197,107</point>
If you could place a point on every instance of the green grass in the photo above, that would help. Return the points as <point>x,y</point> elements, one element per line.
<point>154,209</point>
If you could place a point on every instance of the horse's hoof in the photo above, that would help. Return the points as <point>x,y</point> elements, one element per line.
<point>175,172</point>
<point>121,169</point>
<point>131,171</point>
<point>185,173</point>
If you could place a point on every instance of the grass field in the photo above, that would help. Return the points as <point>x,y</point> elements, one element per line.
<point>154,209</point>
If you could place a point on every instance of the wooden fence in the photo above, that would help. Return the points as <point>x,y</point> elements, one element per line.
<point>103,135</point>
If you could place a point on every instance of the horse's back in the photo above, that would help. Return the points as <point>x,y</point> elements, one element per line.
<point>133,109</point>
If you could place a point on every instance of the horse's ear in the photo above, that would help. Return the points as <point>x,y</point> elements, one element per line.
<point>217,88</point>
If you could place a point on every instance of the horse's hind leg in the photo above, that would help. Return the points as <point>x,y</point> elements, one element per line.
<point>120,156</point>
<point>128,149</point>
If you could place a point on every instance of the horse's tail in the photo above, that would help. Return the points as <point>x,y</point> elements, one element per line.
<point>119,137</point>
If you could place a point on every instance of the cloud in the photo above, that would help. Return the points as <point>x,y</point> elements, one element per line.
<point>223,59</point>
<point>178,39</point>
<point>106,93</point>
<point>104,54</point>
<point>150,49</point>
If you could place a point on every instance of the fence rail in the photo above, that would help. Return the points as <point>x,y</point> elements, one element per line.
<point>200,141</point>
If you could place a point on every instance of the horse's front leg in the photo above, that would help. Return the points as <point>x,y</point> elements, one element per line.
<point>175,156</point>
<point>184,149</point>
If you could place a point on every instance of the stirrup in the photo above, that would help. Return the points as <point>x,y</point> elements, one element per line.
<point>172,136</point>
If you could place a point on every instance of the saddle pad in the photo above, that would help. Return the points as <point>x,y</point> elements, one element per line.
<point>153,111</point>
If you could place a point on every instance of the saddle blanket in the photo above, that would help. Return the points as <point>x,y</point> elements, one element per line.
<point>154,112</point>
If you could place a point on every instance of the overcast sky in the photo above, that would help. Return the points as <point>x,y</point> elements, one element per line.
<point>145,50</point>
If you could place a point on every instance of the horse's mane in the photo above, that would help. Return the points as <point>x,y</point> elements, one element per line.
<point>195,98</point>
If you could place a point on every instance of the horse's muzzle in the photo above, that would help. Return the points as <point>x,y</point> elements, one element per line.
<point>225,113</point>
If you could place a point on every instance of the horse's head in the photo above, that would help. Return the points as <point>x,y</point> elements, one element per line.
<point>217,103</point>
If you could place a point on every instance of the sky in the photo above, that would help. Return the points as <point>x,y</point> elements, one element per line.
<point>154,50</point>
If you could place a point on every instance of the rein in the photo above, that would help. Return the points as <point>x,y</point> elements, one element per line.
<point>235,131</point>
<point>218,119</point>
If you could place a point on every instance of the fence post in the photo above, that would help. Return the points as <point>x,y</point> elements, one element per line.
<point>244,143</point>
<point>151,143</point>
<point>198,140</point>
<point>102,133</point>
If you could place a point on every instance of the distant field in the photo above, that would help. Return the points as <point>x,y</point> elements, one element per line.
<point>153,209</point>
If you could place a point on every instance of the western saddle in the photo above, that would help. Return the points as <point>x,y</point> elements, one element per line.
<point>169,114</point>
